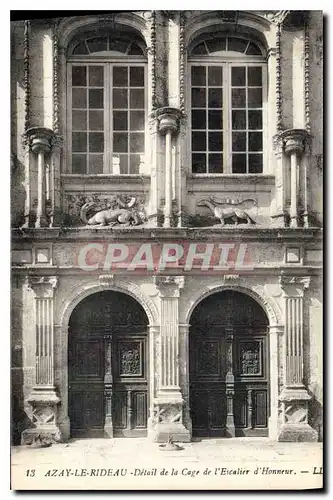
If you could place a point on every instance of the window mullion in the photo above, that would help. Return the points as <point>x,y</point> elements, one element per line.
<point>227,126</point>
<point>108,120</point>
<point>207,127</point>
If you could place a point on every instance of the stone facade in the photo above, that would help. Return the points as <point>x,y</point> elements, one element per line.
<point>160,205</point>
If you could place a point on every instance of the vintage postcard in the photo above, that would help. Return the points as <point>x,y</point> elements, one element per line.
<point>166,243</point>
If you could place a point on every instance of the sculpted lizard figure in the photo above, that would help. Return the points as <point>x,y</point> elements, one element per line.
<point>229,209</point>
<point>124,216</point>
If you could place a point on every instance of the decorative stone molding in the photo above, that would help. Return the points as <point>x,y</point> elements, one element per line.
<point>26,60</point>
<point>278,83</point>
<point>55,42</point>
<point>182,57</point>
<point>107,279</point>
<point>257,292</point>
<point>307,77</point>
<point>153,59</point>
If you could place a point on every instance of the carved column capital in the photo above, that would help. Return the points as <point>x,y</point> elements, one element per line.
<point>169,286</point>
<point>43,286</point>
<point>168,119</point>
<point>294,141</point>
<point>294,285</point>
<point>39,139</point>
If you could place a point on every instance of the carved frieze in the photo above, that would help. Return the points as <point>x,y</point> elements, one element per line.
<point>105,210</point>
<point>229,209</point>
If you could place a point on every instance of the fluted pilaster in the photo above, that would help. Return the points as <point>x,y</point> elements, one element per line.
<point>43,398</point>
<point>295,396</point>
<point>168,405</point>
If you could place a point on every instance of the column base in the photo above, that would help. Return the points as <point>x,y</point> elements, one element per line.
<point>46,430</point>
<point>295,427</point>
<point>174,430</point>
<point>169,419</point>
<point>297,433</point>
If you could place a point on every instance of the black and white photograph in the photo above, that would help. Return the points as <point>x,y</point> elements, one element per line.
<point>166,199</point>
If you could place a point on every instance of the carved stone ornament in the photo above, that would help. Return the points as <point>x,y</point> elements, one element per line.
<point>43,286</point>
<point>294,140</point>
<point>98,210</point>
<point>229,209</point>
<point>107,279</point>
<point>175,281</point>
<point>290,283</point>
<point>168,119</point>
<point>276,16</point>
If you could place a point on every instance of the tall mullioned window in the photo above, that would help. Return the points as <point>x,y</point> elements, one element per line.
<point>227,106</point>
<point>106,106</point>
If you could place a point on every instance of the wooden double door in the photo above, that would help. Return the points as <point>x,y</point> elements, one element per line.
<point>107,364</point>
<point>229,378</point>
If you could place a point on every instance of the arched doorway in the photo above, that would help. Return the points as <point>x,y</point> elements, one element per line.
<point>107,366</point>
<point>229,368</point>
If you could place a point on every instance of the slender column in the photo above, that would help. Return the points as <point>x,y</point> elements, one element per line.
<point>39,139</point>
<point>230,385</point>
<point>294,143</point>
<point>306,190</point>
<point>168,125</point>
<point>43,398</point>
<point>280,181</point>
<point>169,401</point>
<point>294,189</point>
<point>108,383</point>
<point>168,180</point>
<point>295,396</point>
<point>55,183</point>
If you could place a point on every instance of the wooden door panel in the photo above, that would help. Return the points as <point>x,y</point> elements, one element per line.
<point>208,369</point>
<point>240,409</point>
<point>140,410</point>
<point>119,410</point>
<point>260,408</point>
<point>217,411</point>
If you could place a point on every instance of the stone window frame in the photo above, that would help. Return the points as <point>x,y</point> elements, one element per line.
<point>229,61</point>
<point>108,61</point>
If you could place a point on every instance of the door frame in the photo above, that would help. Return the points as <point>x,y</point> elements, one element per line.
<point>274,335</point>
<point>61,327</point>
